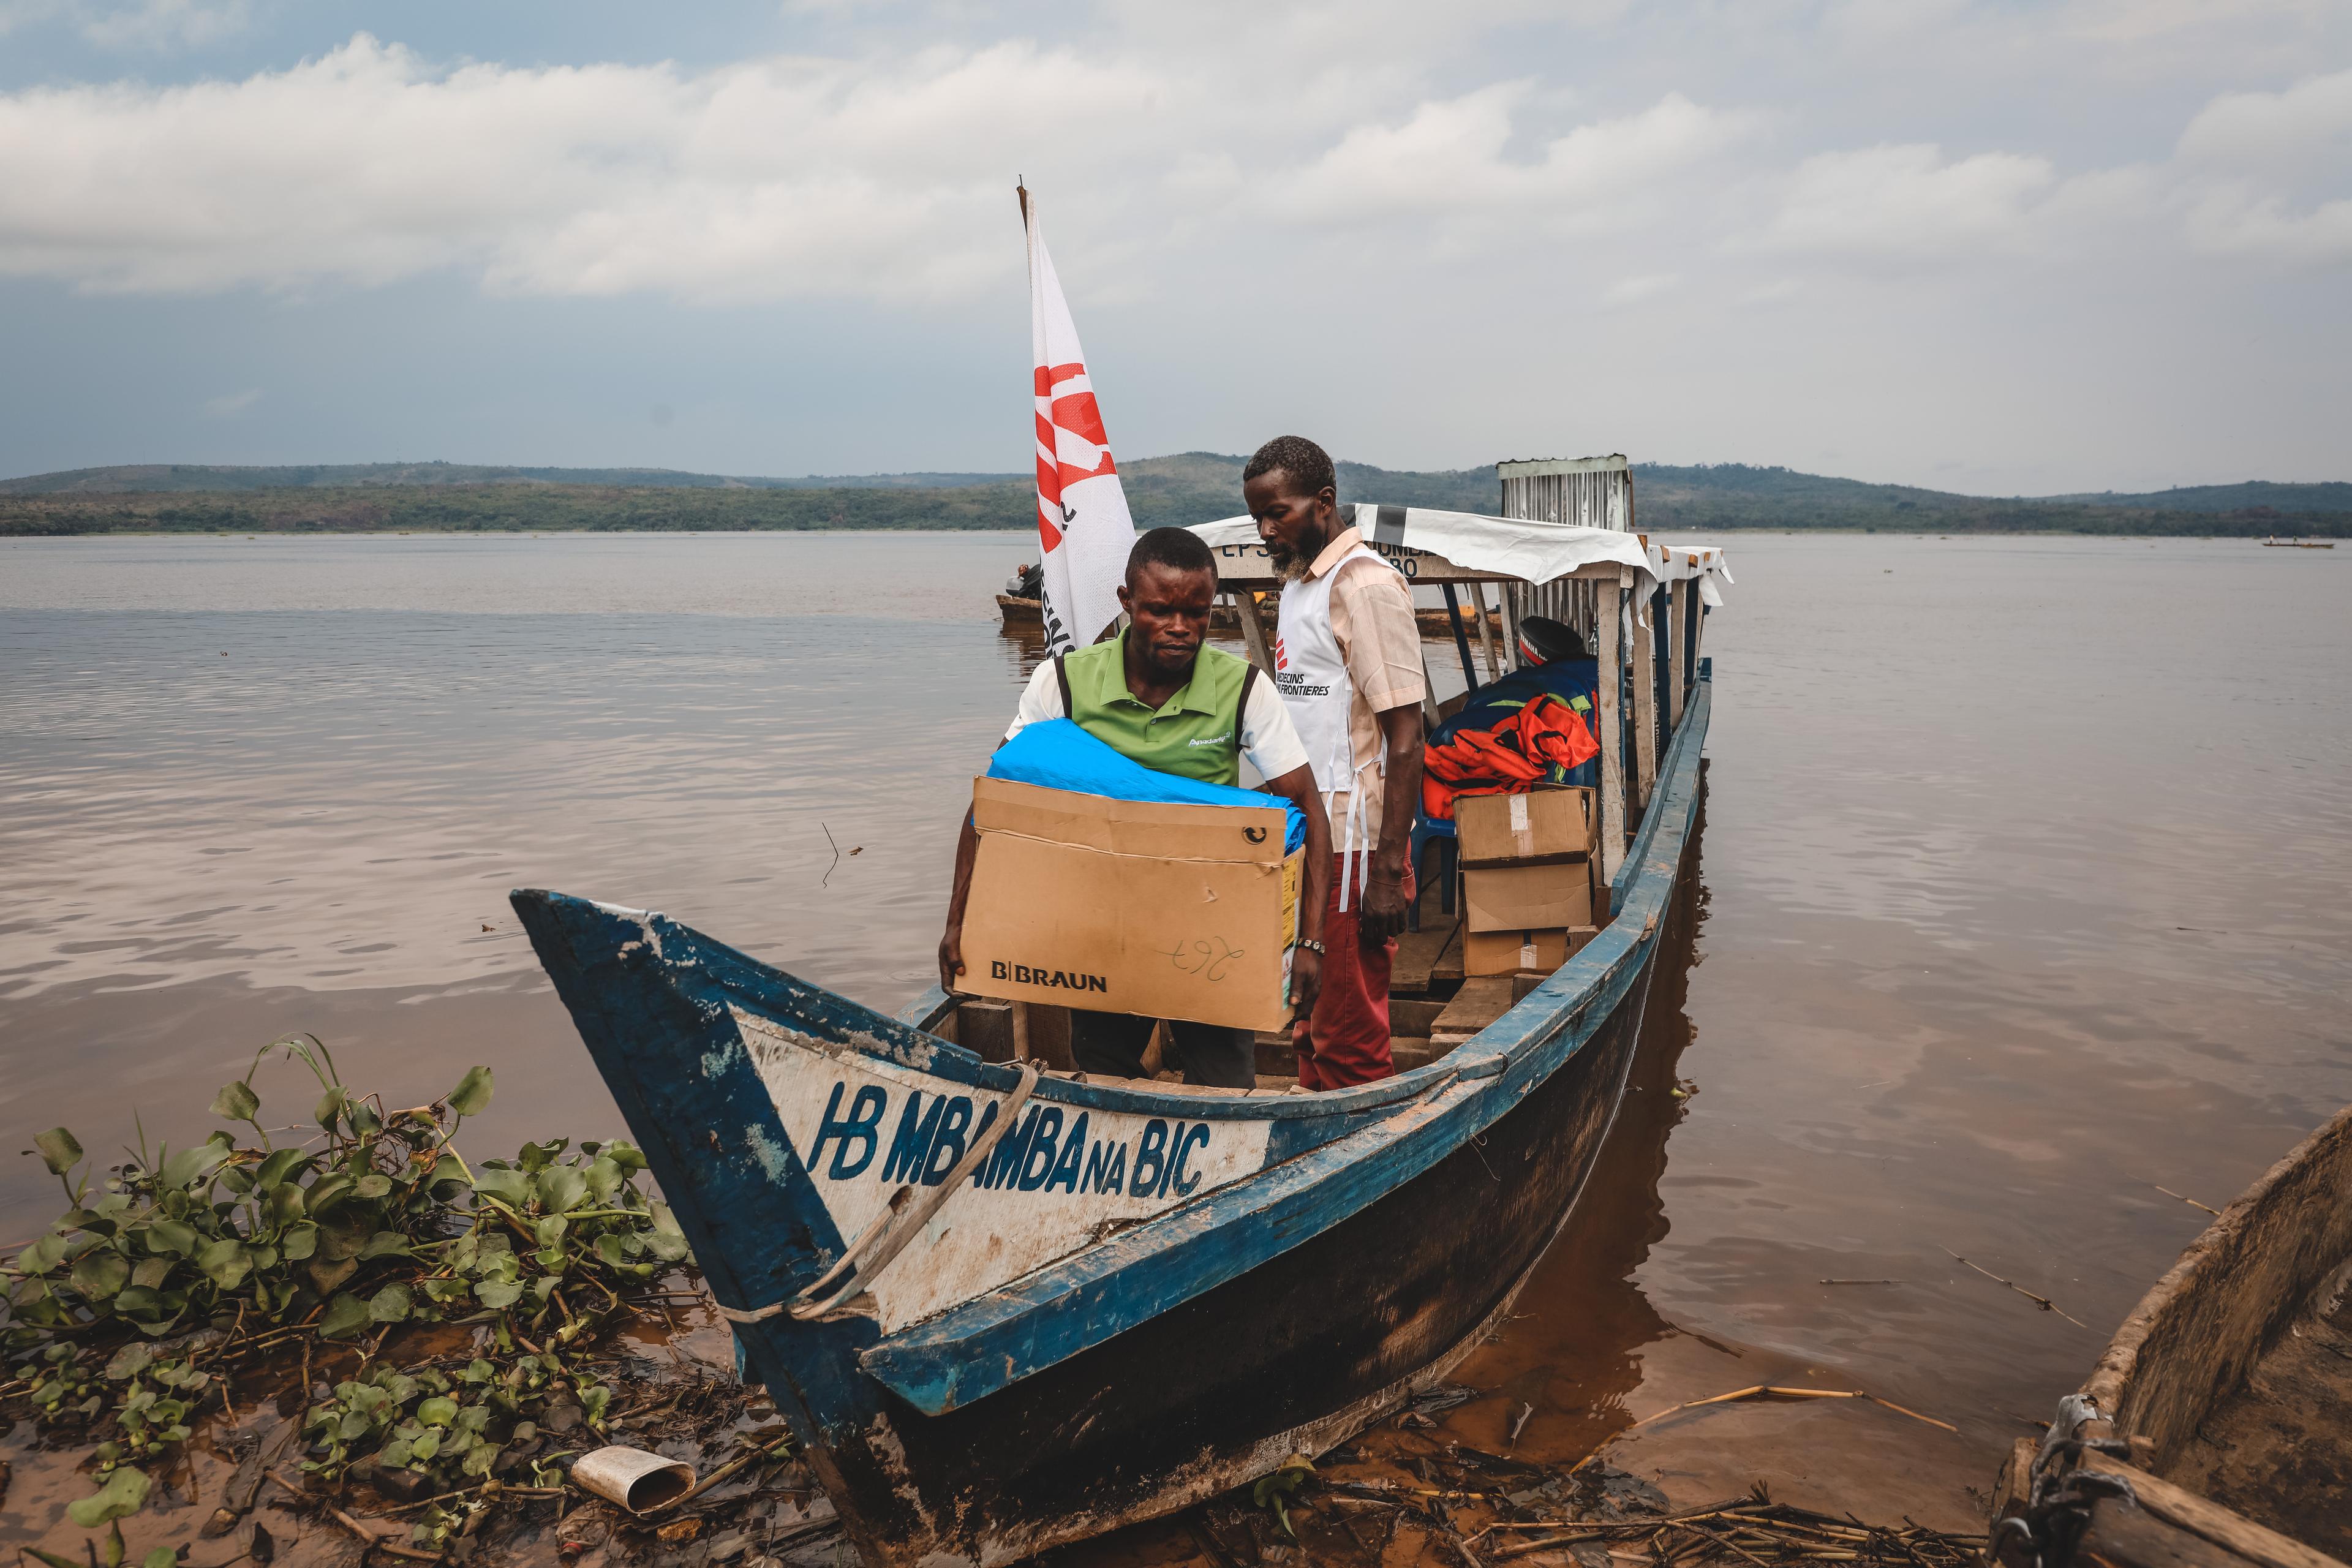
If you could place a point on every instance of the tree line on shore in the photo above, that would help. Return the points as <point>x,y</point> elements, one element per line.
<point>1186,488</point>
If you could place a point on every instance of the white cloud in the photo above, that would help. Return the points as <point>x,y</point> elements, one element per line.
<point>1454,156</point>
<point>2269,174</point>
<point>229,405</point>
<point>2311,121</point>
<point>1906,202</point>
<point>1643,286</point>
<point>2230,221</point>
<point>777,178</point>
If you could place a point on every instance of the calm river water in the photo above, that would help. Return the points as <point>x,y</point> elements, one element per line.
<point>2023,893</point>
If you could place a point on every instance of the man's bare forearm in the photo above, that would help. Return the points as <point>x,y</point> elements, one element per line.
<point>1400,730</point>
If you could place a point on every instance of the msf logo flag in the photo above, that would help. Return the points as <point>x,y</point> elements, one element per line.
<point>1082,517</point>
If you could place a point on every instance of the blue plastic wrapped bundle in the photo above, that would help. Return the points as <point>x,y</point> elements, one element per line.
<point>1057,755</point>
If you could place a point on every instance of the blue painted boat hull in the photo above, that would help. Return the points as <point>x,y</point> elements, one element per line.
<point>1177,1355</point>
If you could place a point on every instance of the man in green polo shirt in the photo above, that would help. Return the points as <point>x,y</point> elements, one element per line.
<point>1157,694</point>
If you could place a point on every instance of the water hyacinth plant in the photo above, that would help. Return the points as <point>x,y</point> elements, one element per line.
<point>117,1319</point>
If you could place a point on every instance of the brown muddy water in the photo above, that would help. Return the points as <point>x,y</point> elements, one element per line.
<point>2022,895</point>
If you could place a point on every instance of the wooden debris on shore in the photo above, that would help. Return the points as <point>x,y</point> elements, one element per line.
<point>1477,1508</point>
<point>1753,1529</point>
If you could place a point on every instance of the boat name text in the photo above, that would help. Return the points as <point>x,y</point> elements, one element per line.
<point>1045,1151</point>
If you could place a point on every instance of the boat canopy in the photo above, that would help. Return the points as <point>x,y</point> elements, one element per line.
<point>1432,546</point>
<point>1702,564</point>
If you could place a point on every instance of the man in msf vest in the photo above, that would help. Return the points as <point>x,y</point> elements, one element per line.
<point>1348,664</point>
<point>1156,694</point>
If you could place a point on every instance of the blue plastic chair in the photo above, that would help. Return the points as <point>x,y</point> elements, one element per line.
<point>1440,834</point>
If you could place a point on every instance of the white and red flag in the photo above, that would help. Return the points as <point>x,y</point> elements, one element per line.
<point>1082,517</point>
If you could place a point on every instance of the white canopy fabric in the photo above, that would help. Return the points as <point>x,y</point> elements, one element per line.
<point>1684,563</point>
<point>1407,535</point>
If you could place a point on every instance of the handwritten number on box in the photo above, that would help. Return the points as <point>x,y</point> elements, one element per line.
<point>1209,957</point>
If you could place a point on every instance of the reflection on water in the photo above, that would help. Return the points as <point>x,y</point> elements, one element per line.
<point>2023,878</point>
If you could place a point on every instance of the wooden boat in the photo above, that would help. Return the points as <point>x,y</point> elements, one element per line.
<point>1020,612</point>
<point>2298,545</point>
<point>1004,1307</point>
<point>2216,1427</point>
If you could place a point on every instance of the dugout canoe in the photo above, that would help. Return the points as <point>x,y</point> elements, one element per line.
<point>2217,1428</point>
<point>1141,1296</point>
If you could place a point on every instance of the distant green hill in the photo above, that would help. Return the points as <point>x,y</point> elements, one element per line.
<point>1189,487</point>
<point>2332,497</point>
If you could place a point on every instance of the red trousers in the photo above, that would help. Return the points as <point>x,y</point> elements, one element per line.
<point>1347,1041</point>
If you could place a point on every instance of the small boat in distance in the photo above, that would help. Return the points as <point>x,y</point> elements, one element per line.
<point>2275,542</point>
<point>2212,1433</point>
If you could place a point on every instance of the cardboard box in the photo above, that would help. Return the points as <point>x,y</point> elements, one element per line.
<point>1124,906</point>
<point>1543,827</point>
<point>1508,952</point>
<point>1528,898</point>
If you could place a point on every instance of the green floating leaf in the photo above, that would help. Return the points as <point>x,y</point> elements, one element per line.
<point>225,1262</point>
<point>100,1274</point>
<point>43,1254</point>
<point>282,1165</point>
<point>284,1205</point>
<point>472,1095</point>
<point>497,1294</point>
<point>385,1243</point>
<point>129,1361</point>
<point>162,1557</point>
<point>236,1101</point>
<point>51,1558</point>
<point>171,1235</point>
<point>194,1164</point>
<point>669,1242</point>
<point>299,1242</point>
<point>327,1191</point>
<point>345,1316</point>
<point>389,1305</point>
<point>60,1152</point>
<point>561,1187</point>
<point>124,1493</point>
<point>331,1109</point>
<point>372,1186</point>
<point>509,1187</point>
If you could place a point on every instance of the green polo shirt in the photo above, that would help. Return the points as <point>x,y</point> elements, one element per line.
<point>1196,733</point>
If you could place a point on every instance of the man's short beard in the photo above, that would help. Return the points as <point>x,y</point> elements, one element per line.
<point>1290,564</point>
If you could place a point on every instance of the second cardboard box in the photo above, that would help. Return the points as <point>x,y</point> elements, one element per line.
<point>1528,898</point>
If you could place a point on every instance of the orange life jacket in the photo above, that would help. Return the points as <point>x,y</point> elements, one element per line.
<point>1542,739</point>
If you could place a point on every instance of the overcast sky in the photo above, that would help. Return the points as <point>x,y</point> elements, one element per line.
<point>1995,247</point>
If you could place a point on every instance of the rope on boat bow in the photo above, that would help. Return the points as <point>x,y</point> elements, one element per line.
<point>2058,1503</point>
<point>888,1233</point>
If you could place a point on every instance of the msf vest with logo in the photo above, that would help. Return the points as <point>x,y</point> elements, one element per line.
<point>1311,675</point>
<point>1198,733</point>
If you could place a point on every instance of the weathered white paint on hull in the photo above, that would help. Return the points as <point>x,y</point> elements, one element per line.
<point>864,1127</point>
